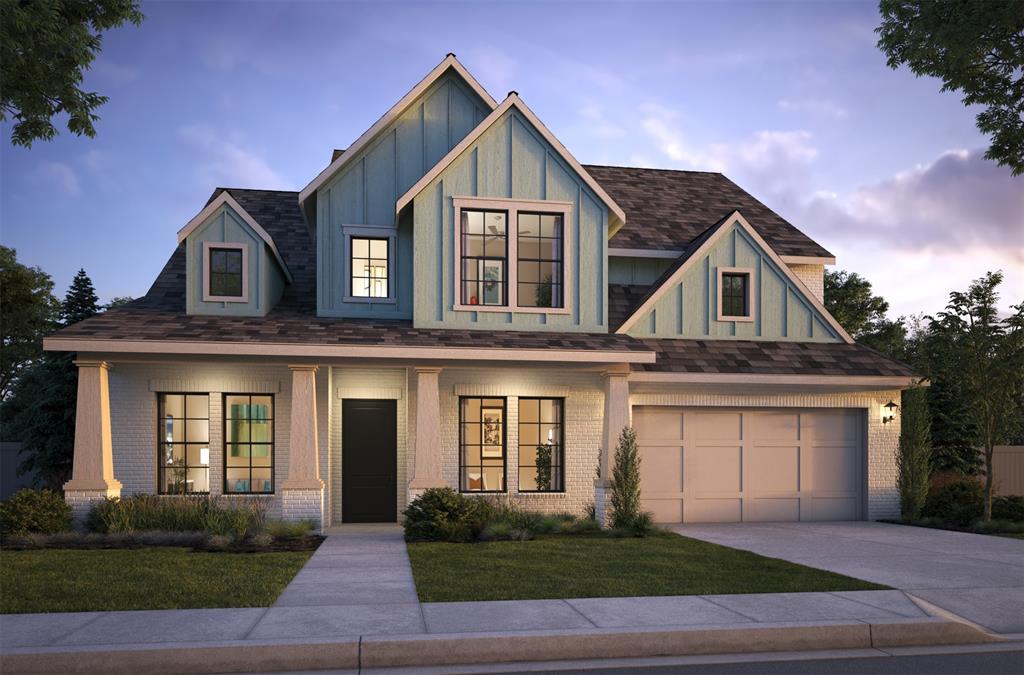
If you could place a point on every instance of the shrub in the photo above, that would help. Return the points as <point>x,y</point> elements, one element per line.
<point>34,511</point>
<point>999,527</point>
<point>141,513</point>
<point>625,485</point>
<point>959,503</point>
<point>284,529</point>
<point>442,514</point>
<point>1008,507</point>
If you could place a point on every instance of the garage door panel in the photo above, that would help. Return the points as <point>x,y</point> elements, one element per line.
<point>717,426</point>
<point>664,510</point>
<point>773,469</point>
<point>713,510</point>
<point>774,426</point>
<point>837,508</point>
<point>661,469</point>
<point>835,468</point>
<point>659,425</point>
<point>772,509</point>
<point>830,426</point>
<point>720,469</point>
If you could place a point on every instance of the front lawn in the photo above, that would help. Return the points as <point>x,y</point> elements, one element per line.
<point>593,566</point>
<point>67,580</point>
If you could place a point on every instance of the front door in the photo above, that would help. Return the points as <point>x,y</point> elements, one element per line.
<point>369,460</point>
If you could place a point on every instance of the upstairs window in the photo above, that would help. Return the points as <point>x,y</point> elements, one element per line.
<point>734,294</point>
<point>484,247</point>
<point>369,265</point>
<point>511,255</point>
<point>225,269</point>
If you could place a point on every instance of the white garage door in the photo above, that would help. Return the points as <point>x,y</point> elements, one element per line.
<point>711,466</point>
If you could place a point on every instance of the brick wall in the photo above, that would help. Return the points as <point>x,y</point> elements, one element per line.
<point>813,277</point>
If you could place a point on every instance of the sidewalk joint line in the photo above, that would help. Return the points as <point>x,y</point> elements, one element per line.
<point>577,610</point>
<point>71,632</point>
<point>257,622</point>
<point>729,609</point>
<point>865,604</point>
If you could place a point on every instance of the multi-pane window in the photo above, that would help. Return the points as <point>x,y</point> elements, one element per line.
<point>539,253</point>
<point>183,433</point>
<point>482,444</point>
<point>226,272</point>
<point>484,253</point>
<point>248,443</point>
<point>369,267</point>
<point>541,445</point>
<point>734,294</point>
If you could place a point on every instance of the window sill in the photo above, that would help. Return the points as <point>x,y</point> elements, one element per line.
<point>741,319</point>
<point>543,493</point>
<point>511,310</point>
<point>363,300</point>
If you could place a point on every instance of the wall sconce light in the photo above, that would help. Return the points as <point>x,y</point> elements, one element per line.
<point>889,412</point>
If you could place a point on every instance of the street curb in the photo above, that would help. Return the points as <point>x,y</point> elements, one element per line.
<point>474,648</point>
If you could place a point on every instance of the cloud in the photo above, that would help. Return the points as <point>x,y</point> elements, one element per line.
<point>493,68</point>
<point>115,73</point>
<point>596,122</point>
<point>223,162</point>
<point>61,177</point>
<point>817,107</point>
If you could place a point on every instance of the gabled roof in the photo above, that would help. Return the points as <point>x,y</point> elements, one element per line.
<point>394,113</point>
<point>224,198</point>
<point>668,209</point>
<point>513,101</point>
<point>702,244</point>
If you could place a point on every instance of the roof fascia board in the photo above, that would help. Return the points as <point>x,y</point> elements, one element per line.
<point>513,101</point>
<point>643,253</point>
<point>879,381</point>
<point>343,351</point>
<point>735,217</point>
<point>808,260</point>
<point>225,199</point>
<point>394,113</point>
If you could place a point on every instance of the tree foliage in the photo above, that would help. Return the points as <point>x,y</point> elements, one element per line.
<point>625,484</point>
<point>45,47</point>
<point>976,47</point>
<point>850,299</point>
<point>28,311</point>
<point>914,462</point>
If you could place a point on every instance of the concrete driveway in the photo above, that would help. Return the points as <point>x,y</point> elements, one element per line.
<point>978,577</point>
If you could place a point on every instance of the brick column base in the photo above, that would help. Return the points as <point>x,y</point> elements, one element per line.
<point>303,504</point>
<point>601,503</point>
<point>81,501</point>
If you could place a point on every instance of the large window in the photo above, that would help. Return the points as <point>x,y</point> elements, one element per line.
<point>484,252</point>
<point>541,449</point>
<point>369,267</point>
<point>539,254</point>
<point>248,443</point>
<point>734,294</point>
<point>482,444</point>
<point>226,272</point>
<point>183,438</point>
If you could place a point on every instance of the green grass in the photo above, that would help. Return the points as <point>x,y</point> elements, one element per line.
<point>64,580</point>
<point>578,566</point>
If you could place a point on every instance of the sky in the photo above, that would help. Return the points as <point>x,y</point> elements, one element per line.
<point>792,101</point>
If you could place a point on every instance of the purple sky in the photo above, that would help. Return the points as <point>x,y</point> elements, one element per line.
<point>791,101</point>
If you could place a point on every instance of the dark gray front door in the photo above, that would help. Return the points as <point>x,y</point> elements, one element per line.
<point>369,460</point>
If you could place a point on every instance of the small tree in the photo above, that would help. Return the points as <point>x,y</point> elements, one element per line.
<point>914,453</point>
<point>543,464</point>
<point>625,485</point>
<point>28,312</point>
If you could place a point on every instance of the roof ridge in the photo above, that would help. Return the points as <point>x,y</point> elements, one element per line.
<point>651,168</point>
<point>229,189</point>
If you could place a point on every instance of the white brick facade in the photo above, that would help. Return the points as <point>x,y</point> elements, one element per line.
<point>813,277</point>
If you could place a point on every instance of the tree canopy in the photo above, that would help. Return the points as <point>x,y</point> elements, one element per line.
<point>45,46</point>
<point>29,311</point>
<point>851,300</point>
<point>973,47</point>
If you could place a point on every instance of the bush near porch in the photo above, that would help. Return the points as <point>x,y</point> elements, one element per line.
<point>956,502</point>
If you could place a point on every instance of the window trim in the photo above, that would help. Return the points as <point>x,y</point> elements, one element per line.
<point>512,207</point>
<point>389,232</point>
<point>561,442</point>
<point>351,268</point>
<point>208,249</point>
<point>504,445</point>
<point>161,441</point>
<point>224,444</point>
<point>751,308</point>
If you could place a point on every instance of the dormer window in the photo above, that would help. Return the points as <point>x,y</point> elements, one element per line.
<point>511,255</point>
<point>225,272</point>
<point>735,298</point>
<point>369,267</point>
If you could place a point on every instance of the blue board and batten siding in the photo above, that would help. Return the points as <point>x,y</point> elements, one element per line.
<point>689,308</point>
<point>369,185</point>
<point>266,280</point>
<point>511,160</point>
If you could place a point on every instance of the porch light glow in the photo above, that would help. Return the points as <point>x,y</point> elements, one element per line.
<point>889,412</point>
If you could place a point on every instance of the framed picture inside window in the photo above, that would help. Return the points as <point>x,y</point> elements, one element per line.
<point>493,433</point>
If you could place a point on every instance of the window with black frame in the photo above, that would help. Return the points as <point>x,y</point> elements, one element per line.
<point>183,433</point>
<point>369,265</point>
<point>541,445</point>
<point>226,272</point>
<point>735,294</point>
<point>539,244</point>
<point>482,444</point>
<point>484,257</point>
<point>248,443</point>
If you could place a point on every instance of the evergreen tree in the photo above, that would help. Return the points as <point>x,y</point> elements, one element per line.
<point>914,453</point>
<point>81,301</point>
<point>625,484</point>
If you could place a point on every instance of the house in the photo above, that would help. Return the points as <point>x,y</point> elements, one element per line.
<point>457,301</point>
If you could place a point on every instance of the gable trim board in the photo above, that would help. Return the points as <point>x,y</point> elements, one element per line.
<point>393,114</point>
<point>807,260</point>
<point>513,101</point>
<point>705,246</point>
<point>643,253</point>
<point>225,199</point>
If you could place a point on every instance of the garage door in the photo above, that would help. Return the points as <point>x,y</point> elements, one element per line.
<point>701,465</point>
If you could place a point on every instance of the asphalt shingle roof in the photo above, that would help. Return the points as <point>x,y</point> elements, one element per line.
<point>666,209</point>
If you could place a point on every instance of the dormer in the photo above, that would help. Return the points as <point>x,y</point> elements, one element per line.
<point>233,266</point>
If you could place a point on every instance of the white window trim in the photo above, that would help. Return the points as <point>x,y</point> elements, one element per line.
<point>513,207</point>
<point>749,271</point>
<point>389,232</point>
<point>207,296</point>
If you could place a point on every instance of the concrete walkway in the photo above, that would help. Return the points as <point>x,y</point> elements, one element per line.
<point>977,577</point>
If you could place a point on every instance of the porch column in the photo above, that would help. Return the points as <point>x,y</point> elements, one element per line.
<point>92,473</point>
<point>302,495</point>
<point>616,418</point>
<point>427,445</point>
